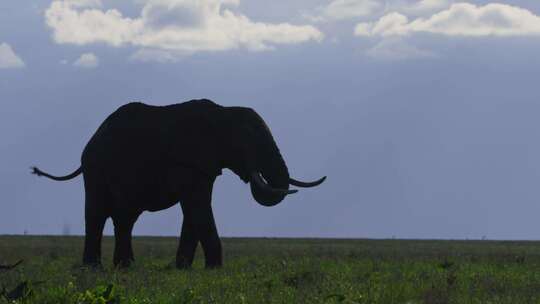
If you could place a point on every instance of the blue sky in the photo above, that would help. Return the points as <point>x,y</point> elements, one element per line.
<point>423,114</point>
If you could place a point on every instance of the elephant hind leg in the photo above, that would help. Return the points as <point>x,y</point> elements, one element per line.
<point>96,198</point>
<point>92,243</point>
<point>123,250</point>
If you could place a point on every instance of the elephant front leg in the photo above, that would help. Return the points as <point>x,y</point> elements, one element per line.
<point>210,241</point>
<point>199,225</point>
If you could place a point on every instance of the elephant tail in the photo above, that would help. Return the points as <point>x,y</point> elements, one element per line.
<point>38,172</point>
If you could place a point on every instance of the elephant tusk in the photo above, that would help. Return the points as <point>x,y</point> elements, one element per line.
<point>297,183</point>
<point>258,180</point>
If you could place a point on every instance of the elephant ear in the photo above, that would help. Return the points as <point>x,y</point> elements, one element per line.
<point>199,147</point>
<point>234,138</point>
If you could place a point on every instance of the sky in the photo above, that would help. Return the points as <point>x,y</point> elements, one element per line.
<point>423,114</point>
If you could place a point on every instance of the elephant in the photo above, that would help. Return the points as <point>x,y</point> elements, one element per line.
<point>149,158</point>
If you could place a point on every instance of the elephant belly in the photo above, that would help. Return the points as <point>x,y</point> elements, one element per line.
<point>150,190</point>
<point>159,205</point>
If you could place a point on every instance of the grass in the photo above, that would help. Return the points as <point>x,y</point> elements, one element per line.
<point>280,271</point>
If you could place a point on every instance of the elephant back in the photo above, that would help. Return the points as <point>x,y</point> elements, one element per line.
<point>144,140</point>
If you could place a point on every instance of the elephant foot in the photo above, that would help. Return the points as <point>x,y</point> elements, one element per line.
<point>93,266</point>
<point>214,262</point>
<point>213,265</point>
<point>183,263</point>
<point>91,262</point>
<point>123,263</point>
<point>213,256</point>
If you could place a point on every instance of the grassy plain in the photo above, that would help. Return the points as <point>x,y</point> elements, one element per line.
<point>280,271</point>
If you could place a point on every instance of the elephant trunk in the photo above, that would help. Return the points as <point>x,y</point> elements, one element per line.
<point>269,178</point>
<point>270,186</point>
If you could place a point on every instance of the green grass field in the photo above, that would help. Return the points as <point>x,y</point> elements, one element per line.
<point>280,271</point>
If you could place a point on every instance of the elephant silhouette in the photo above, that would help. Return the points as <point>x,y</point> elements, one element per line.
<point>149,158</point>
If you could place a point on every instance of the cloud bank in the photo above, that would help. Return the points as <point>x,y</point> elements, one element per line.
<point>461,19</point>
<point>358,9</point>
<point>8,58</point>
<point>183,26</point>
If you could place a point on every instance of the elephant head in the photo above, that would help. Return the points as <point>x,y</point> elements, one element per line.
<point>255,157</point>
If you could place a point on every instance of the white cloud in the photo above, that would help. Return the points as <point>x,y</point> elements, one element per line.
<point>461,19</point>
<point>87,60</point>
<point>84,3</point>
<point>391,24</point>
<point>396,48</point>
<point>424,5</point>
<point>172,26</point>
<point>358,9</point>
<point>347,9</point>
<point>417,8</point>
<point>160,56</point>
<point>8,58</point>
<point>90,25</point>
